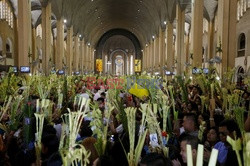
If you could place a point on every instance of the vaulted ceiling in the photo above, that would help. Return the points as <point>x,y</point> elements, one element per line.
<point>92,18</point>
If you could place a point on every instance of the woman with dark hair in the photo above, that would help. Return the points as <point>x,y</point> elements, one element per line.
<point>211,140</point>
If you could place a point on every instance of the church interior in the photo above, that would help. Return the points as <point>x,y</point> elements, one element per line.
<point>125,82</point>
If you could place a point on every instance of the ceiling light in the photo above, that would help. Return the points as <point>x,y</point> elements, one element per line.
<point>165,22</point>
<point>153,37</point>
<point>141,50</point>
<point>138,10</point>
<point>80,36</point>
<point>65,21</point>
<point>146,45</point>
<point>88,44</point>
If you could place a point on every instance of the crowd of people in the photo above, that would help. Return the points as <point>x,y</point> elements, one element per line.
<point>17,148</point>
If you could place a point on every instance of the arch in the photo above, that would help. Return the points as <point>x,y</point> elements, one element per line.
<point>125,65</point>
<point>241,45</point>
<point>123,32</point>
<point>125,57</point>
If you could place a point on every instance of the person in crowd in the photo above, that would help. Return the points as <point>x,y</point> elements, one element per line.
<point>196,92</point>
<point>226,154</point>
<point>189,140</point>
<point>190,124</point>
<point>88,144</point>
<point>211,140</point>
<point>155,159</point>
<point>50,145</point>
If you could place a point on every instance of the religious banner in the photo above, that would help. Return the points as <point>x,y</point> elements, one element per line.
<point>137,65</point>
<point>99,65</point>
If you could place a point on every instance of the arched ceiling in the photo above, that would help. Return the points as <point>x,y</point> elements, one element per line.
<point>92,18</point>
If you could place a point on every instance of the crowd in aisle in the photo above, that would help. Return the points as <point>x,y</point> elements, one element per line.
<point>204,116</point>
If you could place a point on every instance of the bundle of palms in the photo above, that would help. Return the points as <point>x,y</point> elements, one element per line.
<point>72,153</point>
<point>134,153</point>
<point>101,128</point>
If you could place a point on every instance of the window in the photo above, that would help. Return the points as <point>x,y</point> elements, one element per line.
<point>6,13</point>
<point>241,45</point>
<point>1,9</point>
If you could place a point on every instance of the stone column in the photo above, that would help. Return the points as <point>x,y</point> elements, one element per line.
<point>162,52</point>
<point>210,39</point>
<point>87,57</point>
<point>76,55</point>
<point>34,52</point>
<point>145,55</point>
<point>180,33</point>
<point>81,55</point>
<point>128,63</point>
<point>152,57</point>
<point>59,44</point>
<point>143,60</point>
<point>24,32</point>
<point>69,49</point>
<point>169,46</point>
<point>197,32</point>
<point>146,58</point>
<point>54,51</point>
<point>91,58</point>
<point>155,53</point>
<point>46,37</point>
<point>227,19</point>
<point>187,52</point>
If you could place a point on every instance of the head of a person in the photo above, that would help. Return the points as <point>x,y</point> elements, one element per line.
<point>212,135</point>
<point>190,122</point>
<point>189,140</point>
<point>198,101</point>
<point>228,127</point>
<point>245,95</point>
<point>197,90</point>
<point>89,143</point>
<point>85,130</point>
<point>50,144</point>
<point>203,117</point>
<point>154,159</point>
<point>103,95</point>
<point>100,102</point>
<point>190,88</point>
